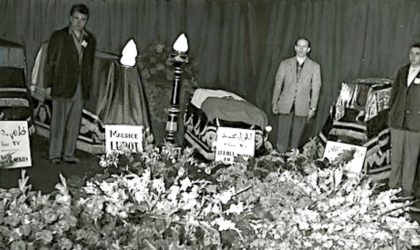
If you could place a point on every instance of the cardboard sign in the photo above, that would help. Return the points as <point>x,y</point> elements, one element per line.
<point>118,137</point>
<point>333,149</point>
<point>15,150</point>
<point>231,142</point>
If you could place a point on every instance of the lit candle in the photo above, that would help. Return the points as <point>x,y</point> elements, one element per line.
<point>181,44</point>
<point>129,54</point>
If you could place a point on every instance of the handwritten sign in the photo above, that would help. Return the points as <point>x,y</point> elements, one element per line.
<point>15,150</point>
<point>333,149</point>
<point>118,137</point>
<point>231,142</point>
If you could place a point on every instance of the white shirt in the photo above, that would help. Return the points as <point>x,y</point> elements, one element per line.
<point>300,60</point>
<point>412,73</point>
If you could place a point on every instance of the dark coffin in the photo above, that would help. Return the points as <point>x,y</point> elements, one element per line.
<point>359,117</point>
<point>201,124</point>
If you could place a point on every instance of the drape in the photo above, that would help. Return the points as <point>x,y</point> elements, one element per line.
<point>237,45</point>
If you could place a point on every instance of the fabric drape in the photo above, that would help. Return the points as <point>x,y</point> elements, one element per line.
<point>124,100</point>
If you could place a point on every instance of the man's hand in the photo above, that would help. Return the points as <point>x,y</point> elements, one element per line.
<point>311,114</point>
<point>274,108</point>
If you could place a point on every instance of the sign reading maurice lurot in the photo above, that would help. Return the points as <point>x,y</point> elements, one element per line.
<point>118,137</point>
<point>232,142</point>
<point>15,150</point>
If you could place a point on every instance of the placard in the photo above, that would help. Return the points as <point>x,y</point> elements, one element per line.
<point>333,149</point>
<point>15,150</point>
<point>231,142</point>
<point>118,137</point>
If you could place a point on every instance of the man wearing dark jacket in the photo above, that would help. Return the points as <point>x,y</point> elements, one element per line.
<point>404,122</point>
<point>71,52</point>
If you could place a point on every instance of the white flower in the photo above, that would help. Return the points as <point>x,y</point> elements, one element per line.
<point>123,214</point>
<point>225,196</point>
<point>173,193</point>
<point>181,172</point>
<point>188,200</point>
<point>140,196</point>
<point>224,224</point>
<point>307,244</point>
<point>328,244</point>
<point>159,185</point>
<point>108,187</point>
<point>216,209</point>
<point>185,183</point>
<point>192,221</point>
<point>111,209</point>
<point>237,209</point>
<point>103,162</point>
<point>415,240</point>
<point>207,170</point>
<point>303,225</point>
<point>89,188</point>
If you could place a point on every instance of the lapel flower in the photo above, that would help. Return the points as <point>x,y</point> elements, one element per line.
<point>84,44</point>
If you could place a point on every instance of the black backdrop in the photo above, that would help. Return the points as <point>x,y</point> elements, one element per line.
<point>238,44</point>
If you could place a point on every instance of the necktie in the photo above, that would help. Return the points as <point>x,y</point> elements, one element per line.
<point>298,70</point>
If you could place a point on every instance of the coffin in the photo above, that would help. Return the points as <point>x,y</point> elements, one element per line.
<point>359,117</point>
<point>210,109</point>
<point>15,99</point>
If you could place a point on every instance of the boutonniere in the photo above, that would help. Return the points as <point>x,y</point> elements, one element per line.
<point>84,44</point>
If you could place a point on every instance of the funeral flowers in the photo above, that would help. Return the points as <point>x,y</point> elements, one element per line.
<point>166,199</point>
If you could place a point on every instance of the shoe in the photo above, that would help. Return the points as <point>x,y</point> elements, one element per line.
<point>403,196</point>
<point>414,209</point>
<point>56,161</point>
<point>72,160</point>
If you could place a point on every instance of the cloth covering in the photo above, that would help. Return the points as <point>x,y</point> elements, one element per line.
<point>359,117</point>
<point>124,100</point>
<point>15,100</point>
<point>200,95</point>
<point>234,110</point>
<point>38,82</point>
<point>11,54</point>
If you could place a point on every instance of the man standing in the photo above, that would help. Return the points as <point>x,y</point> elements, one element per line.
<point>71,52</point>
<point>404,122</point>
<point>295,95</point>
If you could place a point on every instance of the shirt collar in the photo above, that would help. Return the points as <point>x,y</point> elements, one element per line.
<point>412,68</point>
<point>300,60</point>
<point>84,33</point>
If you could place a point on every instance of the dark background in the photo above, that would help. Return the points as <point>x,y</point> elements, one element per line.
<point>237,45</point>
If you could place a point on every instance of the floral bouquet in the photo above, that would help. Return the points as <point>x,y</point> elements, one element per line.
<point>164,199</point>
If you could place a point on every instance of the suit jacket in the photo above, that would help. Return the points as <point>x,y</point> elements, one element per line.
<point>304,93</point>
<point>63,69</point>
<point>404,107</point>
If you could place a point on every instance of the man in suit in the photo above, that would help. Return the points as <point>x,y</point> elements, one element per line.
<point>295,95</point>
<point>404,122</point>
<point>71,52</point>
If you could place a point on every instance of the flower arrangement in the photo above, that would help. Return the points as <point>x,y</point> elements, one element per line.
<point>166,199</point>
<point>155,66</point>
<point>157,71</point>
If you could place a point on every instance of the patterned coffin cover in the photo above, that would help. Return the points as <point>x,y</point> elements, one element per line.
<point>92,132</point>
<point>15,98</point>
<point>359,117</point>
<point>201,125</point>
